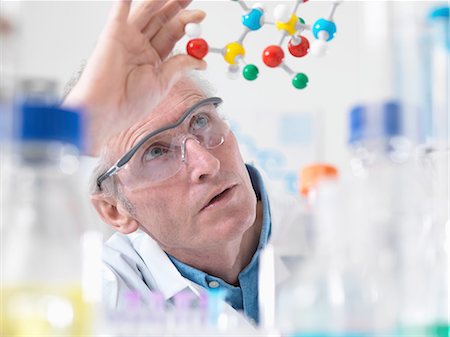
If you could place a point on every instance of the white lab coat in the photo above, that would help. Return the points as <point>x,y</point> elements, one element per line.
<point>135,261</point>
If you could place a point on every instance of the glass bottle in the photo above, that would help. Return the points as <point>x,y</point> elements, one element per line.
<point>42,227</point>
<point>311,299</point>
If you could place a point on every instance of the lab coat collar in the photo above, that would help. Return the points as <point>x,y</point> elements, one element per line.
<point>166,277</point>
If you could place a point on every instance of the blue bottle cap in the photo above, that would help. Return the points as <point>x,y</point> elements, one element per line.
<point>358,123</point>
<point>440,16</point>
<point>50,123</point>
<point>442,12</point>
<point>391,119</point>
<point>375,121</point>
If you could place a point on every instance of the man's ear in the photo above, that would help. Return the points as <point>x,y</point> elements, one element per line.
<point>114,214</point>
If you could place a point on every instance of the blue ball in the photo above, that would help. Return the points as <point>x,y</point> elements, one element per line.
<point>328,26</point>
<point>252,20</point>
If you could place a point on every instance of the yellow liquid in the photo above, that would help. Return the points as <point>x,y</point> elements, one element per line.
<point>44,311</point>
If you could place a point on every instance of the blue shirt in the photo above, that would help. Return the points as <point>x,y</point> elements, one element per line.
<point>243,297</point>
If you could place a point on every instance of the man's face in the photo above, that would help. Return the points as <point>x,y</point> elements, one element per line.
<point>208,202</point>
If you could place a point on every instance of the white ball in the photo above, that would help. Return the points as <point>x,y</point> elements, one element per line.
<point>318,48</point>
<point>233,71</point>
<point>282,13</point>
<point>193,30</point>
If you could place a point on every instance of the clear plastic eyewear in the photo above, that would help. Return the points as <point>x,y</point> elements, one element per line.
<point>160,154</point>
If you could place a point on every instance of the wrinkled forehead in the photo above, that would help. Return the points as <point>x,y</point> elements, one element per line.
<point>169,110</point>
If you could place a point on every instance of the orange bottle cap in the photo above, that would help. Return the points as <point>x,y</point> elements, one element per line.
<point>311,174</point>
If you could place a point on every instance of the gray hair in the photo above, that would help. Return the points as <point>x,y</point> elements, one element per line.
<point>202,83</point>
<point>110,187</point>
<point>73,80</point>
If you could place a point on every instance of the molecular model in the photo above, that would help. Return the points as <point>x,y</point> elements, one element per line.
<point>287,22</point>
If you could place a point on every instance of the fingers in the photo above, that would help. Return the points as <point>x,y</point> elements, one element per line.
<point>144,11</point>
<point>166,38</point>
<point>173,68</point>
<point>164,15</point>
<point>120,10</point>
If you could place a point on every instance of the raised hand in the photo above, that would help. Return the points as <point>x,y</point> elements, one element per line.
<point>131,68</point>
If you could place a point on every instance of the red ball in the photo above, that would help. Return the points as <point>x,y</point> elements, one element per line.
<point>197,48</point>
<point>273,56</point>
<point>299,50</point>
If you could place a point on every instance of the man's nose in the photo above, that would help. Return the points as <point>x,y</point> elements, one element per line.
<point>201,163</point>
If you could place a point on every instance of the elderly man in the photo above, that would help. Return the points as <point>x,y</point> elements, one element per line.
<point>185,191</point>
<point>189,214</point>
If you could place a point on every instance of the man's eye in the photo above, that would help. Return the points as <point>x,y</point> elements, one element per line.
<point>155,151</point>
<point>199,122</point>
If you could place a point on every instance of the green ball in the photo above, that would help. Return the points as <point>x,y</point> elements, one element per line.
<point>300,81</point>
<point>250,72</point>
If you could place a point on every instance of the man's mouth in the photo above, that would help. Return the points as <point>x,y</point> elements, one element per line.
<point>219,198</point>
